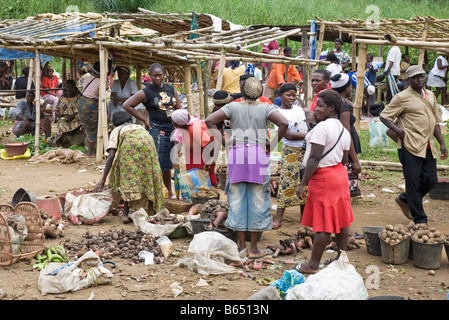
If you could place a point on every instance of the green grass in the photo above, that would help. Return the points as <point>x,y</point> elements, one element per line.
<point>389,152</point>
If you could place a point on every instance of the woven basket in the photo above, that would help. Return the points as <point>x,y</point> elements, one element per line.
<point>201,200</point>
<point>34,242</point>
<point>176,206</point>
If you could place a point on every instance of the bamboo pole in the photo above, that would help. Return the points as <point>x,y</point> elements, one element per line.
<point>358,103</point>
<point>306,79</point>
<point>199,71</point>
<point>354,53</point>
<point>102,117</point>
<point>139,77</point>
<point>320,41</point>
<point>64,71</point>
<point>188,84</point>
<point>220,70</point>
<point>423,38</point>
<point>30,74</point>
<point>37,101</point>
<point>207,84</point>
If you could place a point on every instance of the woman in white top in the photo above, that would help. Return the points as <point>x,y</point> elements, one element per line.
<point>437,78</point>
<point>334,67</point>
<point>292,151</point>
<point>328,207</point>
<point>122,88</point>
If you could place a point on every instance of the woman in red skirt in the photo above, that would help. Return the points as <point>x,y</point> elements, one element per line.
<point>328,206</point>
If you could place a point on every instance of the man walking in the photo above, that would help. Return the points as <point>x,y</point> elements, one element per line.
<point>418,118</point>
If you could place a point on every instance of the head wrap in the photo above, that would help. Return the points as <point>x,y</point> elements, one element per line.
<point>252,88</point>
<point>370,89</point>
<point>287,87</point>
<point>126,68</point>
<point>340,81</point>
<point>181,117</point>
<point>49,67</point>
<point>221,97</point>
<point>234,64</point>
<point>120,117</point>
<point>96,67</point>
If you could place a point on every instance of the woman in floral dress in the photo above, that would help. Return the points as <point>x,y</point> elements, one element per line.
<point>133,166</point>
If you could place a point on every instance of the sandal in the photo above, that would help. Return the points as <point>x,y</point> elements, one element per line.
<point>276,225</point>
<point>300,270</point>
<point>263,253</point>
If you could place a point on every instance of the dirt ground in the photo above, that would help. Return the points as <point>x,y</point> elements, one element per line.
<point>140,282</point>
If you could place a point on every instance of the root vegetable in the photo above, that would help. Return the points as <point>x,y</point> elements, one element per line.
<point>309,241</point>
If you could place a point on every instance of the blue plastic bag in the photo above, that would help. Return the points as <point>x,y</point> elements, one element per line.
<point>290,279</point>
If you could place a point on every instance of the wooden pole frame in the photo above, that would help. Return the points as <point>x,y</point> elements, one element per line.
<point>220,70</point>
<point>37,100</point>
<point>360,89</point>
<point>102,132</point>
<point>199,71</point>
<point>188,85</point>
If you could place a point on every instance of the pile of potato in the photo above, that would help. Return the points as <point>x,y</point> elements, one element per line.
<point>395,234</point>
<point>205,192</point>
<point>422,233</point>
<point>221,168</point>
<point>125,244</point>
<point>216,210</point>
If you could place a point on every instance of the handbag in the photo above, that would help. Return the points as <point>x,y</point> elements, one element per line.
<point>302,168</point>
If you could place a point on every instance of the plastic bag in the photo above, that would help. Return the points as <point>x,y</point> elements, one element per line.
<point>338,281</point>
<point>68,277</point>
<point>89,208</point>
<point>377,134</point>
<point>140,219</point>
<point>290,279</point>
<point>190,180</point>
<point>147,256</point>
<point>166,245</point>
<point>210,250</point>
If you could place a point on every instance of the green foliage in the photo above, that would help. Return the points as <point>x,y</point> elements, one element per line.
<point>29,138</point>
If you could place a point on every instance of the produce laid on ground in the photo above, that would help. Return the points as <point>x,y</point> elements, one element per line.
<point>50,254</point>
<point>117,243</point>
<point>166,217</point>
<point>302,239</point>
<point>52,228</point>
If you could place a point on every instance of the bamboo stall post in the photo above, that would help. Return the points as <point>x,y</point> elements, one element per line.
<point>31,73</point>
<point>199,71</point>
<point>102,120</point>
<point>207,84</point>
<point>320,42</point>
<point>188,85</point>
<point>220,70</point>
<point>139,77</point>
<point>37,100</point>
<point>424,36</point>
<point>305,72</point>
<point>354,53</point>
<point>358,103</point>
<point>64,71</point>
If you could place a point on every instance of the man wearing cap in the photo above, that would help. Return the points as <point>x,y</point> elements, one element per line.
<point>417,123</point>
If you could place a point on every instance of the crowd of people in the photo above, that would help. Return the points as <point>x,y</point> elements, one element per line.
<point>320,145</point>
